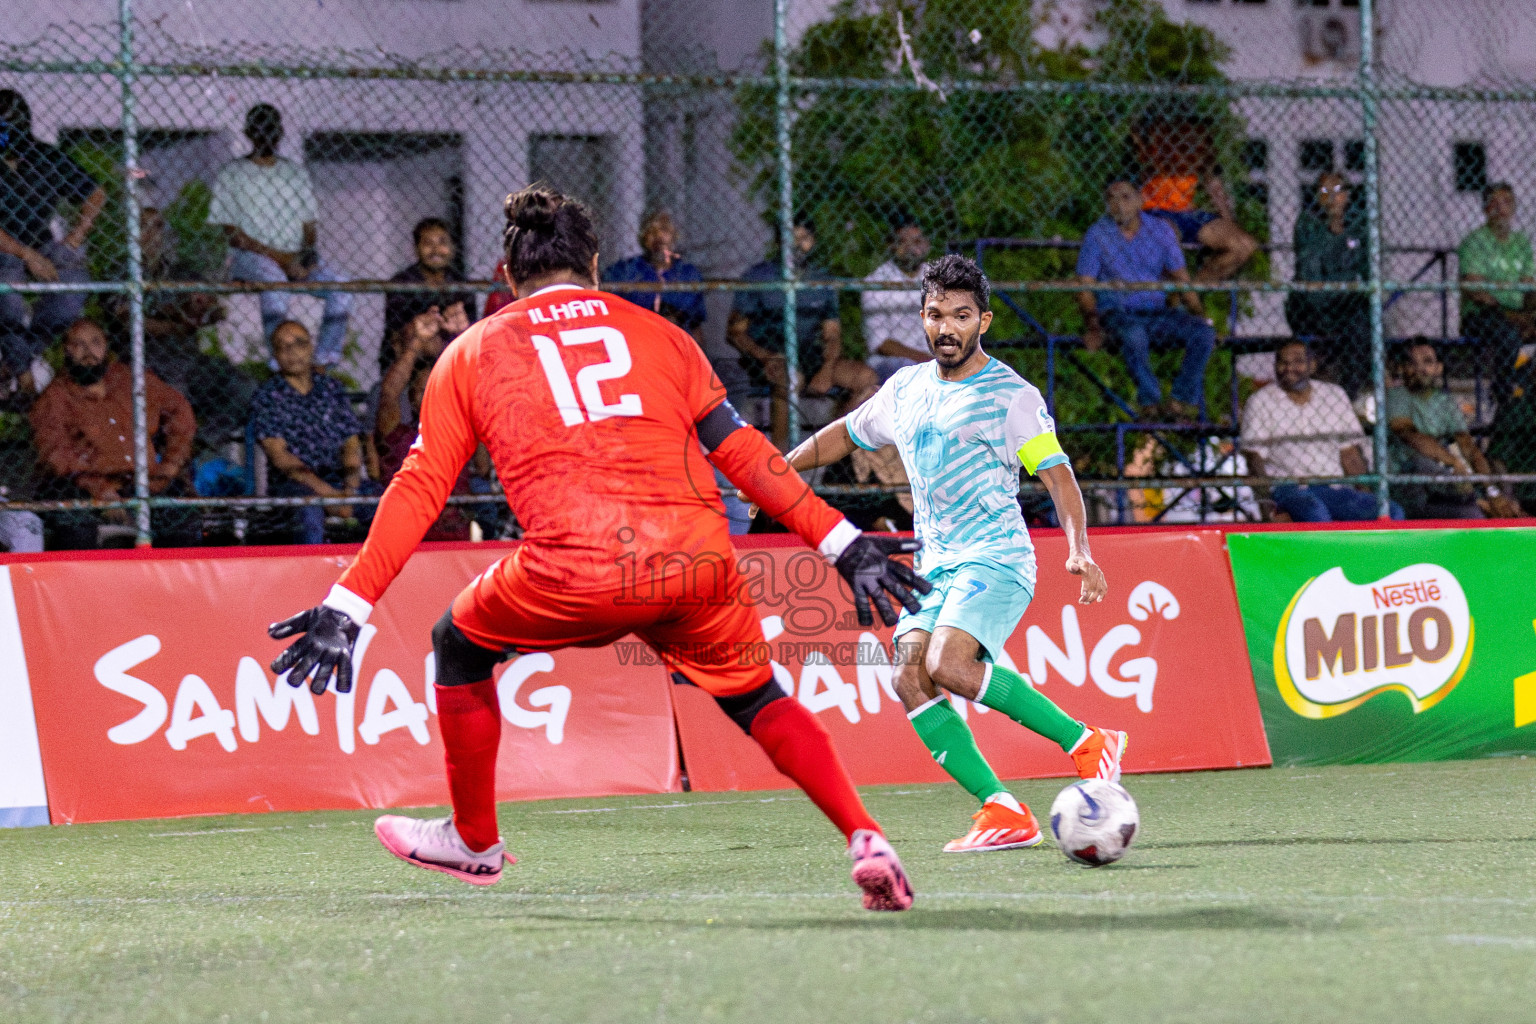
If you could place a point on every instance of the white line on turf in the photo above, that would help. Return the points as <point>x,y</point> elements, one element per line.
<point>263,828</point>
<point>1507,941</point>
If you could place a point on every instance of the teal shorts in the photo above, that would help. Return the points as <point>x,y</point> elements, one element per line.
<point>983,599</point>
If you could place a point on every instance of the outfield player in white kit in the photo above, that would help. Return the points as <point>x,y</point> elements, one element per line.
<point>964,425</point>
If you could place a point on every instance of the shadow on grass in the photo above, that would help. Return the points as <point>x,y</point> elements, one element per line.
<point>996,919</point>
<point>1004,919</point>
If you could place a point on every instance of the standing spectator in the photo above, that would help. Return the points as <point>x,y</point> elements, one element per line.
<point>173,345</point>
<point>1300,427</point>
<point>1429,435</point>
<point>893,320</point>
<point>1125,246</point>
<point>1497,320</point>
<point>305,423</point>
<point>659,262</point>
<point>82,425</point>
<point>435,258</point>
<point>267,206</point>
<point>35,181</point>
<point>1330,241</point>
<point>1179,158</point>
<point>756,330</point>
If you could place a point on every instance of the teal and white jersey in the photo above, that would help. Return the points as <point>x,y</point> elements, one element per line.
<point>962,443</point>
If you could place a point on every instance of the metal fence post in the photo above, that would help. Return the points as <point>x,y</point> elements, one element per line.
<point>1369,116</point>
<point>786,215</point>
<point>126,78</point>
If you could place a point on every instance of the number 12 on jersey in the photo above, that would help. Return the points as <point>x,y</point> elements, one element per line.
<point>591,404</point>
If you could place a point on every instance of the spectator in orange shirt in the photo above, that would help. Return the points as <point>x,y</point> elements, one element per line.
<point>82,426</point>
<point>1179,158</point>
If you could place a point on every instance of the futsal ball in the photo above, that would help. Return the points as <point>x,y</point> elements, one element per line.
<point>1094,822</point>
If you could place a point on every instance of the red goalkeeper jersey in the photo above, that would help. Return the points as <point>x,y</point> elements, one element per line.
<point>587,405</point>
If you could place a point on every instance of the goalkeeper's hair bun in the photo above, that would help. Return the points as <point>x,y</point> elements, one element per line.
<point>546,233</point>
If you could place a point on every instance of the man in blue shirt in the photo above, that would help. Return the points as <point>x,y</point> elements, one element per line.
<point>756,330</point>
<point>304,422</point>
<point>659,262</point>
<point>1125,246</point>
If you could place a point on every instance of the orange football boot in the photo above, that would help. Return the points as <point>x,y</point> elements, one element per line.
<point>998,828</point>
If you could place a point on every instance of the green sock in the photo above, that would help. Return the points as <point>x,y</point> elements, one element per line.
<point>950,742</point>
<point>1005,690</point>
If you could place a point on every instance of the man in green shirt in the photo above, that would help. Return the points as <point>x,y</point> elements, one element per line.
<point>1429,436</point>
<point>1497,320</point>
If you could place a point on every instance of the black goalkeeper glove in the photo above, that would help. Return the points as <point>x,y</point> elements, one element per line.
<point>867,565</point>
<point>325,648</point>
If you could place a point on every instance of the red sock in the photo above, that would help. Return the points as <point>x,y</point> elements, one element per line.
<point>469,717</point>
<point>800,748</point>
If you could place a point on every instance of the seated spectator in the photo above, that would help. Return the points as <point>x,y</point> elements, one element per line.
<point>1330,240</point>
<point>1179,157</point>
<point>396,435</point>
<point>1429,436</point>
<point>1123,245</point>
<point>82,426</point>
<point>36,182</point>
<point>756,330</point>
<point>1300,427</point>
<point>304,422</point>
<point>893,320</point>
<point>435,256</point>
<point>1499,321</point>
<point>219,391</point>
<point>658,261</point>
<point>1512,446</point>
<point>267,206</point>
<point>421,340</point>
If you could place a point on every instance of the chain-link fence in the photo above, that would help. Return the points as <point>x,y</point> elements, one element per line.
<point>1230,242</point>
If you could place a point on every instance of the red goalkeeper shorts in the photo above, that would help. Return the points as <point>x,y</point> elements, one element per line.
<point>699,621</point>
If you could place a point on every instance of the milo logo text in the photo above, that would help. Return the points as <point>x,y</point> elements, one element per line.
<point>1340,643</point>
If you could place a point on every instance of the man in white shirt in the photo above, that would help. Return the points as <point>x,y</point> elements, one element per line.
<point>893,322</point>
<point>1300,427</point>
<point>267,207</point>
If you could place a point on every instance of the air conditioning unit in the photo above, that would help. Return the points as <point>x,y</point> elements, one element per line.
<point>1330,35</point>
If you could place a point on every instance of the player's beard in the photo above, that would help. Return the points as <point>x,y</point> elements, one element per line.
<point>966,348</point>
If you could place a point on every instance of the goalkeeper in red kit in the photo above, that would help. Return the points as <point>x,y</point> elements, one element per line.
<point>599,416</point>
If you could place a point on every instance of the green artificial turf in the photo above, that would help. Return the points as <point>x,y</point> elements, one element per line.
<point>1393,893</point>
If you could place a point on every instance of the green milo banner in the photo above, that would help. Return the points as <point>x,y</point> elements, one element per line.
<point>1391,645</point>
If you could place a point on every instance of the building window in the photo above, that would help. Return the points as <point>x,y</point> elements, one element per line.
<point>580,166</point>
<point>1469,162</point>
<point>1315,156</point>
<point>1354,155</point>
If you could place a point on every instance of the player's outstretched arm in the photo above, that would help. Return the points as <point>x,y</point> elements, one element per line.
<point>411,504</point>
<point>1061,482</point>
<point>832,443</point>
<point>751,462</point>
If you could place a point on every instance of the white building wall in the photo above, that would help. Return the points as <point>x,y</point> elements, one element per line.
<point>366,210</point>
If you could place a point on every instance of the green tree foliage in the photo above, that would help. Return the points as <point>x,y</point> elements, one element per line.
<point>991,157</point>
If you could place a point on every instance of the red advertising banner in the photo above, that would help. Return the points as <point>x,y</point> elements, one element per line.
<point>1163,657</point>
<point>153,698</point>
